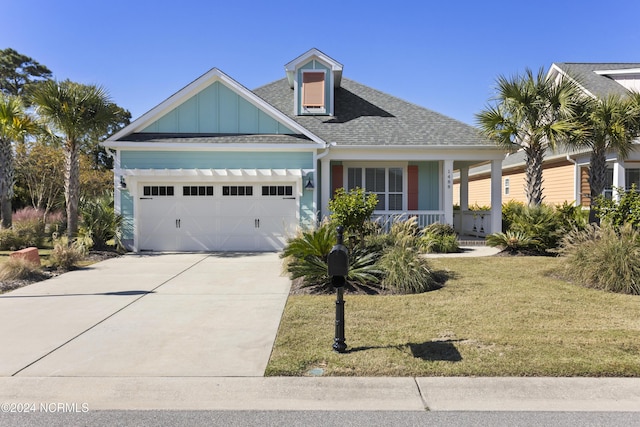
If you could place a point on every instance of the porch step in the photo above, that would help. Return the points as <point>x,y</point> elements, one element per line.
<point>471,242</point>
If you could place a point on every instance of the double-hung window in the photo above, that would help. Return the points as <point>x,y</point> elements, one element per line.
<point>385,182</point>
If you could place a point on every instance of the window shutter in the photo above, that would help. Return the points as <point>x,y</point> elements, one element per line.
<point>313,89</point>
<point>336,178</point>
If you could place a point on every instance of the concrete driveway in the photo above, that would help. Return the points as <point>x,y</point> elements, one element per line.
<point>155,315</point>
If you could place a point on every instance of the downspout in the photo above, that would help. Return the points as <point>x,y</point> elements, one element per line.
<point>576,181</point>
<point>317,189</point>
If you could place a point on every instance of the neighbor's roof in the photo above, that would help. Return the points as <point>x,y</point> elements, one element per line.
<point>365,116</point>
<point>599,85</point>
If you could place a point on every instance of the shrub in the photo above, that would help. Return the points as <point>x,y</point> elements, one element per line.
<point>511,210</point>
<point>439,229</point>
<point>513,241</point>
<point>541,224</point>
<point>27,214</point>
<point>604,258</point>
<point>28,224</point>
<point>439,238</point>
<point>439,243</point>
<point>99,220</point>
<point>352,209</point>
<point>571,217</point>
<point>626,210</point>
<point>56,223</point>
<point>66,256</point>
<point>306,258</point>
<point>405,271</point>
<point>20,269</point>
<point>30,232</point>
<point>9,240</point>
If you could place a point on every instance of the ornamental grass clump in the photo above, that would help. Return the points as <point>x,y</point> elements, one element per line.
<point>405,271</point>
<point>66,256</point>
<point>603,258</point>
<point>20,269</point>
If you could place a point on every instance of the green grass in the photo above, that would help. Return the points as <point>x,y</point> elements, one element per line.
<point>496,316</point>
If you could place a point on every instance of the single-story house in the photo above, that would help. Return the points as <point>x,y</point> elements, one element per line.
<point>219,167</point>
<point>565,171</point>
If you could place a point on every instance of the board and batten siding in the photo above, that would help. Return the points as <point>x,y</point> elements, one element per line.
<point>217,109</point>
<point>428,185</point>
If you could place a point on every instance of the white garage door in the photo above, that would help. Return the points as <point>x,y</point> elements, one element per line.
<point>216,217</point>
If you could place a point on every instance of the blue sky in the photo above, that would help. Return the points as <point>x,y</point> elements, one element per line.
<point>444,56</point>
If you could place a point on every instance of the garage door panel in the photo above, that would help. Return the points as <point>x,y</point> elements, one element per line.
<point>238,219</point>
<point>157,223</point>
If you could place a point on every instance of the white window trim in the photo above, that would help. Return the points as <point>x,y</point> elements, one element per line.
<point>507,186</point>
<point>311,111</point>
<point>386,165</point>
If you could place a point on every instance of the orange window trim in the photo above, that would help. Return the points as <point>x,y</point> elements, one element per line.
<point>313,89</point>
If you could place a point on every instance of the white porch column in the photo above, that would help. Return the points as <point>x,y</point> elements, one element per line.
<point>447,199</point>
<point>464,188</point>
<point>325,187</point>
<point>496,196</point>
<point>117,175</point>
<point>619,179</point>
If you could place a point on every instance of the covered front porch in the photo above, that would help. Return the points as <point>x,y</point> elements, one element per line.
<point>414,184</point>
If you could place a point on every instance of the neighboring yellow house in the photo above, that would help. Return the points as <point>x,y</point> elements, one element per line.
<point>563,181</point>
<point>565,172</point>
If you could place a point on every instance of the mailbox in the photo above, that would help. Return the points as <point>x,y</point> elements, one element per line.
<point>338,260</point>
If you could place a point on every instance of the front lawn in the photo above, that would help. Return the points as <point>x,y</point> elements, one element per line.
<point>495,316</point>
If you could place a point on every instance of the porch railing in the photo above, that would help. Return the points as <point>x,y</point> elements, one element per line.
<point>472,223</point>
<point>424,217</point>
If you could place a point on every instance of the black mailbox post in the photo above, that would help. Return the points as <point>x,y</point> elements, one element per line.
<point>338,269</point>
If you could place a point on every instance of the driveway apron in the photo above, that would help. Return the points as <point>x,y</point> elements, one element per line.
<point>147,315</point>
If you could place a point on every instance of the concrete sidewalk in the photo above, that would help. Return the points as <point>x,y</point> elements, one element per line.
<point>331,393</point>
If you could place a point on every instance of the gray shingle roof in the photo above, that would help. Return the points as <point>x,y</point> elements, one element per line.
<point>597,84</point>
<point>200,138</point>
<point>365,116</point>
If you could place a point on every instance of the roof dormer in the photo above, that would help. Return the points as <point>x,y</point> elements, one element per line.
<point>629,77</point>
<point>313,76</point>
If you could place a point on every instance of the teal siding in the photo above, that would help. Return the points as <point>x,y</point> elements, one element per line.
<point>229,117</point>
<point>428,185</point>
<point>217,109</point>
<point>215,160</point>
<point>207,101</point>
<point>307,213</point>
<point>266,125</point>
<point>126,210</point>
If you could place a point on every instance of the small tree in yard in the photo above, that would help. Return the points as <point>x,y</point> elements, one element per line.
<point>352,209</point>
<point>74,112</point>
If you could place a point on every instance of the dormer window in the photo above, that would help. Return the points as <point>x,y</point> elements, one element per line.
<point>313,92</point>
<point>314,77</point>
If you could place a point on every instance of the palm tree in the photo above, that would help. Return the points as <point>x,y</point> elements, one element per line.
<point>612,124</point>
<point>532,113</point>
<point>73,111</point>
<point>15,125</point>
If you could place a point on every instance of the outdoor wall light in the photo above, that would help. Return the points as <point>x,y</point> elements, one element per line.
<point>123,184</point>
<point>309,185</point>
